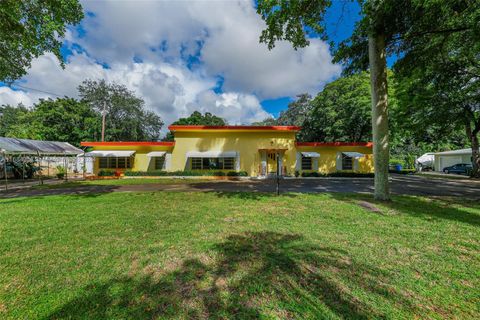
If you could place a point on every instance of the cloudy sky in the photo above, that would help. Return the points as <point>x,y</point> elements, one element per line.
<point>181,56</point>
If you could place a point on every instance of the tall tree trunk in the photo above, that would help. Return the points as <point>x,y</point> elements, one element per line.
<point>378,78</point>
<point>475,144</point>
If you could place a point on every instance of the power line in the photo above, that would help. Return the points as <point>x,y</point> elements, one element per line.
<point>42,91</point>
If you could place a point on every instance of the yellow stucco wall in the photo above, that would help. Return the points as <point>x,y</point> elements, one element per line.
<point>140,160</point>
<point>248,145</point>
<point>327,163</point>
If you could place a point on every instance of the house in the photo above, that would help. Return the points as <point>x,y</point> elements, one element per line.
<point>253,149</point>
<point>450,158</point>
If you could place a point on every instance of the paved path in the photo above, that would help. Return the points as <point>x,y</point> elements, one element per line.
<point>410,185</point>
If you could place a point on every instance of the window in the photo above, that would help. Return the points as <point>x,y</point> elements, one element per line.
<point>347,162</point>
<point>212,163</point>
<point>114,163</point>
<point>159,161</point>
<point>306,163</point>
<point>196,163</point>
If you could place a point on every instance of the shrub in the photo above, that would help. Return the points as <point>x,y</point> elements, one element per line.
<point>338,174</point>
<point>310,174</point>
<point>297,173</point>
<point>237,174</point>
<point>106,173</point>
<point>187,173</point>
<point>403,171</point>
<point>351,174</point>
<point>60,172</point>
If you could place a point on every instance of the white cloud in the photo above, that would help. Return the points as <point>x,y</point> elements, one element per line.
<point>223,37</point>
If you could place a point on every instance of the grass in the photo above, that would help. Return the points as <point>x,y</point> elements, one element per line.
<point>237,255</point>
<point>117,182</point>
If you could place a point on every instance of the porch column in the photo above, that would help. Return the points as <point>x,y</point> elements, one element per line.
<point>263,157</point>
<point>168,161</point>
<point>280,162</point>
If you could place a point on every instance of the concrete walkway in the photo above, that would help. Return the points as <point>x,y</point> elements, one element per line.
<point>400,184</point>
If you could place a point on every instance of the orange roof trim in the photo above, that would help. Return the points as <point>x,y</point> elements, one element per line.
<point>334,144</point>
<point>260,128</point>
<point>128,143</point>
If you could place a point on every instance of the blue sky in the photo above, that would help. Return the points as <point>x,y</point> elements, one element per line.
<point>340,20</point>
<point>186,56</point>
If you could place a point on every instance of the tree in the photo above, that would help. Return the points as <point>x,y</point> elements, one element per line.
<point>341,111</point>
<point>297,111</point>
<point>125,116</point>
<point>295,114</point>
<point>62,119</point>
<point>439,78</point>
<point>29,28</point>
<point>9,117</point>
<point>266,122</point>
<point>196,118</point>
<point>386,27</point>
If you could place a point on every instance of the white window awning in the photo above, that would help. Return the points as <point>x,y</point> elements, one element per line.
<point>311,154</point>
<point>211,154</point>
<point>354,154</point>
<point>156,154</point>
<point>110,153</point>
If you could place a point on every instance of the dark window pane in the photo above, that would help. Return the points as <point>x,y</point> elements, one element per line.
<point>159,161</point>
<point>347,162</point>
<point>306,163</point>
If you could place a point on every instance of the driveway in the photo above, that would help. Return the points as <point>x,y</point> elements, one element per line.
<point>400,184</point>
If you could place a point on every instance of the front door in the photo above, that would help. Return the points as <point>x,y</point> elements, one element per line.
<point>272,162</point>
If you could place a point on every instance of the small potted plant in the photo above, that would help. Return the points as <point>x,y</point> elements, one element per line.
<point>60,172</point>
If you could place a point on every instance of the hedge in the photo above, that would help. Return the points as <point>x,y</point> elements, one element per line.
<point>106,173</point>
<point>338,174</point>
<point>209,173</point>
<point>403,171</point>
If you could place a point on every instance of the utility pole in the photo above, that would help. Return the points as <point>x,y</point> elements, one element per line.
<point>278,173</point>
<point>104,113</point>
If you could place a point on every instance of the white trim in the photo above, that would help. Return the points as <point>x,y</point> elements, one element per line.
<point>354,154</point>
<point>311,154</point>
<point>211,154</point>
<point>110,153</point>
<point>156,154</point>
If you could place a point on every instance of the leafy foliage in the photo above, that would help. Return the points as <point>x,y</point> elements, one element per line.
<point>341,112</point>
<point>197,118</point>
<point>126,117</point>
<point>70,120</point>
<point>29,28</point>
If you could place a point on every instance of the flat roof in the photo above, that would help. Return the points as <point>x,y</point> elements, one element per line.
<point>232,128</point>
<point>460,151</point>
<point>34,147</point>
<point>127,143</point>
<point>334,144</point>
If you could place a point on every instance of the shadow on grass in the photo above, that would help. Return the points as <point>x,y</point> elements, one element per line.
<point>88,191</point>
<point>249,195</point>
<point>253,275</point>
<point>428,208</point>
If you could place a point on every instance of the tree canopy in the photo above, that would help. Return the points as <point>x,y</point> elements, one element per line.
<point>197,118</point>
<point>30,28</point>
<point>126,116</point>
<point>72,120</point>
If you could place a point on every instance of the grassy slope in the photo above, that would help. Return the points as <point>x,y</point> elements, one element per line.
<point>207,255</point>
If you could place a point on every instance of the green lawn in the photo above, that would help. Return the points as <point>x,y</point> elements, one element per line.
<point>117,182</point>
<point>237,255</point>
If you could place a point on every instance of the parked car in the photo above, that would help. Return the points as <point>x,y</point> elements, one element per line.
<point>459,168</point>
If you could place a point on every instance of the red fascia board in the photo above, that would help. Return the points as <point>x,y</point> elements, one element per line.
<point>128,143</point>
<point>334,144</point>
<point>266,128</point>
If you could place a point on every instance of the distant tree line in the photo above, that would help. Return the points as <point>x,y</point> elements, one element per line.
<point>342,112</point>
<point>76,120</point>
